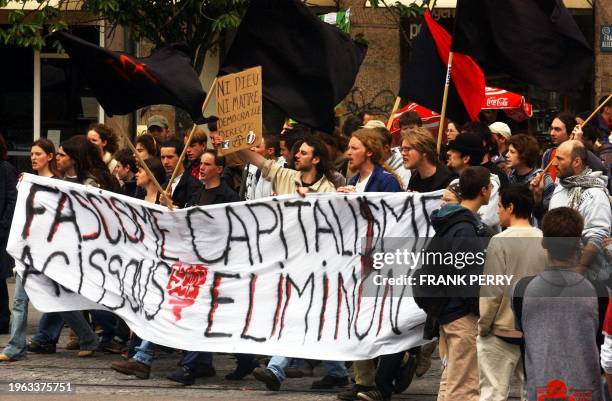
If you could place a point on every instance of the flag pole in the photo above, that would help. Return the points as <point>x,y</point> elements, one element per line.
<point>444,100</point>
<point>143,165</point>
<point>393,111</point>
<point>596,110</point>
<point>180,161</point>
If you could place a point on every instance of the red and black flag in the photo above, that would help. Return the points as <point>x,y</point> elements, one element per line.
<point>535,41</point>
<point>426,75</point>
<point>308,66</point>
<point>123,83</point>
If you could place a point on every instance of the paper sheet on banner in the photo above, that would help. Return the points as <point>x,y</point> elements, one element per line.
<point>278,276</point>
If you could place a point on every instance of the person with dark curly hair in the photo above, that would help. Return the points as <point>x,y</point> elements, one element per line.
<point>104,138</point>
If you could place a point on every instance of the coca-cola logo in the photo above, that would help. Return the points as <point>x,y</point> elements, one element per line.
<point>497,102</point>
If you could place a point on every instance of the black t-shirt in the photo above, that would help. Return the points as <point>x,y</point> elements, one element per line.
<point>221,194</point>
<point>440,180</point>
<point>503,178</point>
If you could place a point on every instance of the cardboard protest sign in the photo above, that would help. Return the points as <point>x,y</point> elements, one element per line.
<point>239,110</point>
<point>278,276</point>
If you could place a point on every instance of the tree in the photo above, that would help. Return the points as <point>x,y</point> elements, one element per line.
<point>398,10</point>
<point>199,23</point>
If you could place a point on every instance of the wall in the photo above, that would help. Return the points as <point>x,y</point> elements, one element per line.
<point>377,83</point>
<point>603,61</point>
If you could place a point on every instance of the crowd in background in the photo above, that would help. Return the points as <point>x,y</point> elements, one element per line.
<point>499,187</point>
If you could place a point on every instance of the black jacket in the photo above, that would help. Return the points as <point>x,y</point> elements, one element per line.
<point>221,194</point>
<point>8,198</point>
<point>185,189</point>
<point>129,188</point>
<point>458,232</point>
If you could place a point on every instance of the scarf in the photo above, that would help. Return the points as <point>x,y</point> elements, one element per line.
<point>576,185</point>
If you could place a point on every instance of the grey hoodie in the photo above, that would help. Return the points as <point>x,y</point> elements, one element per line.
<point>560,319</point>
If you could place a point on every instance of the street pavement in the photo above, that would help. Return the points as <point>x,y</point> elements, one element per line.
<point>93,379</point>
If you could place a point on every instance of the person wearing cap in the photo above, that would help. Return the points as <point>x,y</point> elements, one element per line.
<point>468,150</point>
<point>157,125</point>
<point>501,133</point>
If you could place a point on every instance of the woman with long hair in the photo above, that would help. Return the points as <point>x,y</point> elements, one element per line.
<point>146,146</point>
<point>365,156</point>
<point>42,156</point>
<point>146,183</point>
<point>88,165</point>
<point>104,138</point>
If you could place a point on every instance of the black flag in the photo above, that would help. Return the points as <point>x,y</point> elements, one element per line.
<point>308,66</point>
<point>123,83</point>
<point>535,41</point>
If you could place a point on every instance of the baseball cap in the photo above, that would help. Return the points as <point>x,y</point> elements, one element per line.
<point>500,128</point>
<point>374,124</point>
<point>157,121</point>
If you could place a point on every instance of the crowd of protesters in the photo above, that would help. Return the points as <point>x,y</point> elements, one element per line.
<point>542,216</point>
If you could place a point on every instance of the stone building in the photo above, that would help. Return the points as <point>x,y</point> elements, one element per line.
<point>41,95</point>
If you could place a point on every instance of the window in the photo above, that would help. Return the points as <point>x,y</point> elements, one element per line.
<point>42,95</point>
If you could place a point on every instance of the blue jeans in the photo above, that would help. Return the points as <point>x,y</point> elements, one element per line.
<point>144,352</point>
<point>51,324</point>
<point>192,359</point>
<point>16,347</point>
<point>278,364</point>
<point>49,328</point>
<point>108,321</point>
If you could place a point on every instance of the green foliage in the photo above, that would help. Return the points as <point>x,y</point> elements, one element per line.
<point>196,22</point>
<point>408,11</point>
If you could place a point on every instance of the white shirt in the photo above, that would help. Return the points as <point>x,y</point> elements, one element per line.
<point>175,182</point>
<point>258,188</point>
<point>360,186</point>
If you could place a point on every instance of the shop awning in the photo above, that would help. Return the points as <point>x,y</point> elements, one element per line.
<point>453,3</point>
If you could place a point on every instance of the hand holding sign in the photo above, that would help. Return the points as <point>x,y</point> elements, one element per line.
<point>239,110</point>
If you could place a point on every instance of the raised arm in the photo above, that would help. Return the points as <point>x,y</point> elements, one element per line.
<point>251,157</point>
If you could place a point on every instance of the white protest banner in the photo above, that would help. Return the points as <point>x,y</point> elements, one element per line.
<point>279,276</point>
<point>239,109</point>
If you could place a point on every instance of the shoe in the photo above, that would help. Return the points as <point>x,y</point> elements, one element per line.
<point>329,382</point>
<point>266,376</point>
<point>351,394</point>
<point>372,395</point>
<point>133,368</point>
<point>112,347</point>
<point>184,375</point>
<point>423,358</point>
<point>37,348</point>
<point>404,375</point>
<point>86,353</point>
<point>242,371</point>
<point>294,373</point>
<point>4,358</point>
<point>73,341</point>
<point>205,370</point>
